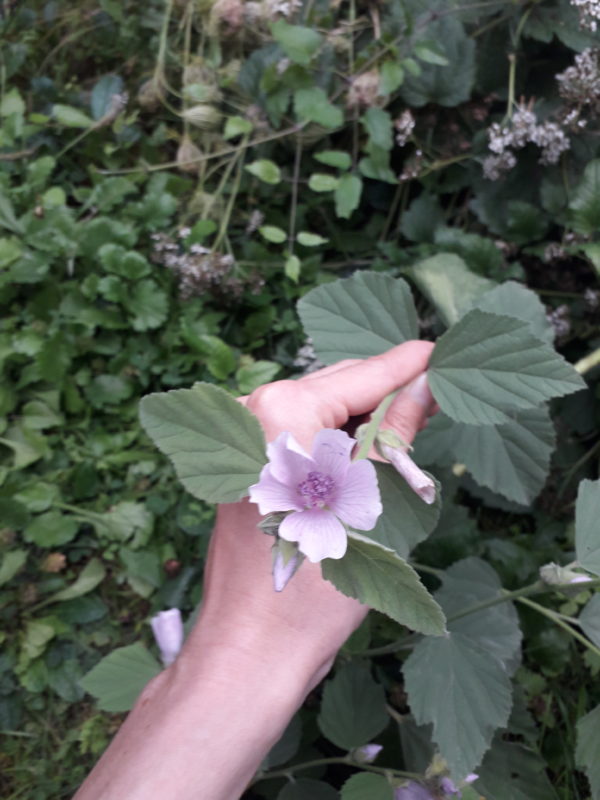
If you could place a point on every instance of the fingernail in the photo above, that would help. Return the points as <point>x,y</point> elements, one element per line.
<point>419,390</point>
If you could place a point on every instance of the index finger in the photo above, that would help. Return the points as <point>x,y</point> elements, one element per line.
<point>360,387</point>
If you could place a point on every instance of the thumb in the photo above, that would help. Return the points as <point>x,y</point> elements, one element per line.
<point>410,408</point>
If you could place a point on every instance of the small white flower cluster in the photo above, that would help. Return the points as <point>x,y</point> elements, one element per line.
<point>306,359</point>
<point>522,130</point>
<point>412,168</point>
<point>200,270</point>
<point>404,125</point>
<point>579,84</point>
<point>561,323</point>
<point>589,13</point>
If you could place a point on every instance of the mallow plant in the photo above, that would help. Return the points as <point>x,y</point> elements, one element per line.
<point>493,372</point>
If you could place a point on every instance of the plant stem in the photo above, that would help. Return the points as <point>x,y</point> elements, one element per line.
<point>373,426</point>
<point>589,362</point>
<point>552,615</point>
<point>294,204</point>
<point>533,588</point>
<point>232,198</point>
<point>319,762</point>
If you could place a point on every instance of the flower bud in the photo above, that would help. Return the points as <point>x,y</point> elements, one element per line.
<point>286,561</point>
<point>555,575</point>
<point>366,754</point>
<point>187,155</point>
<point>419,481</point>
<point>167,628</point>
<point>202,116</point>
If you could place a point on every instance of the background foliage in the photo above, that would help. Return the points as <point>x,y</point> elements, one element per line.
<point>173,177</point>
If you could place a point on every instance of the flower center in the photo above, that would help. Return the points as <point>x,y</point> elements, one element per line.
<point>316,490</point>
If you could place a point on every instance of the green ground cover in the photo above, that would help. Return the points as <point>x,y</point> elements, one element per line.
<point>174,177</point>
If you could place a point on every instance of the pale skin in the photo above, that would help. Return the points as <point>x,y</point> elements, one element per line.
<point>202,727</point>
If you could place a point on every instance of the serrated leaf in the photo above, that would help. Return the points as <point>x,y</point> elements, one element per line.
<point>353,707</point>
<point>449,285</point>
<point>367,786</point>
<point>320,182</point>
<point>511,771</point>
<point>313,105</point>
<point>272,233</point>
<point>378,125</point>
<point>307,789</point>
<point>334,158</point>
<point>512,459</point>
<point>217,446</point>
<point>149,304</point>
<point>71,117</point>
<point>298,43</point>
<point>382,580</point>
<point>585,205</point>
<point>406,520</point>
<point>488,364</point>
<point>589,620</point>
<point>587,530</point>
<point>468,583</point>
<point>518,301</point>
<point>265,170</point>
<point>307,239</point>
<point>466,701</point>
<point>587,753</point>
<point>347,195</point>
<point>119,678</point>
<point>360,316</point>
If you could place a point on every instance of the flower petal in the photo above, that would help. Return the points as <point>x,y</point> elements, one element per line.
<point>357,501</point>
<point>273,495</point>
<point>290,463</point>
<point>319,534</point>
<point>331,451</point>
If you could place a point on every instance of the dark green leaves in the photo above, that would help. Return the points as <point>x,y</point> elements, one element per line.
<point>367,786</point>
<point>382,580</point>
<point>298,43</point>
<point>585,205</point>
<point>488,365</point>
<point>360,316</point>
<point>587,754</point>
<point>353,709</point>
<point>312,105</point>
<point>216,445</point>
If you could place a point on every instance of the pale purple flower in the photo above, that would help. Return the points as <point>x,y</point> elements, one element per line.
<point>167,628</point>
<point>418,480</point>
<point>413,791</point>
<point>324,491</point>
<point>448,787</point>
<point>367,753</point>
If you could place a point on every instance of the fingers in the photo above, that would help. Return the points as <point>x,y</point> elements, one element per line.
<point>359,387</point>
<point>409,411</point>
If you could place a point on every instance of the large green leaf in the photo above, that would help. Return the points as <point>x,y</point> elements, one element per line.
<point>353,708</point>
<point>464,691</point>
<point>511,459</point>
<point>90,576</point>
<point>589,620</point>
<point>447,85</point>
<point>585,205</point>
<point>360,316</point>
<point>515,300</point>
<point>510,771</point>
<point>366,786</point>
<point>118,679</point>
<point>587,754</point>
<point>467,584</point>
<point>488,364</point>
<point>298,43</point>
<point>449,285</point>
<point>216,445</point>
<point>406,519</point>
<point>587,530</point>
<point>378,577</point>
<point>313,105</point>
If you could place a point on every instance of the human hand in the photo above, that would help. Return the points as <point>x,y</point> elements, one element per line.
<point>310,616</point>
